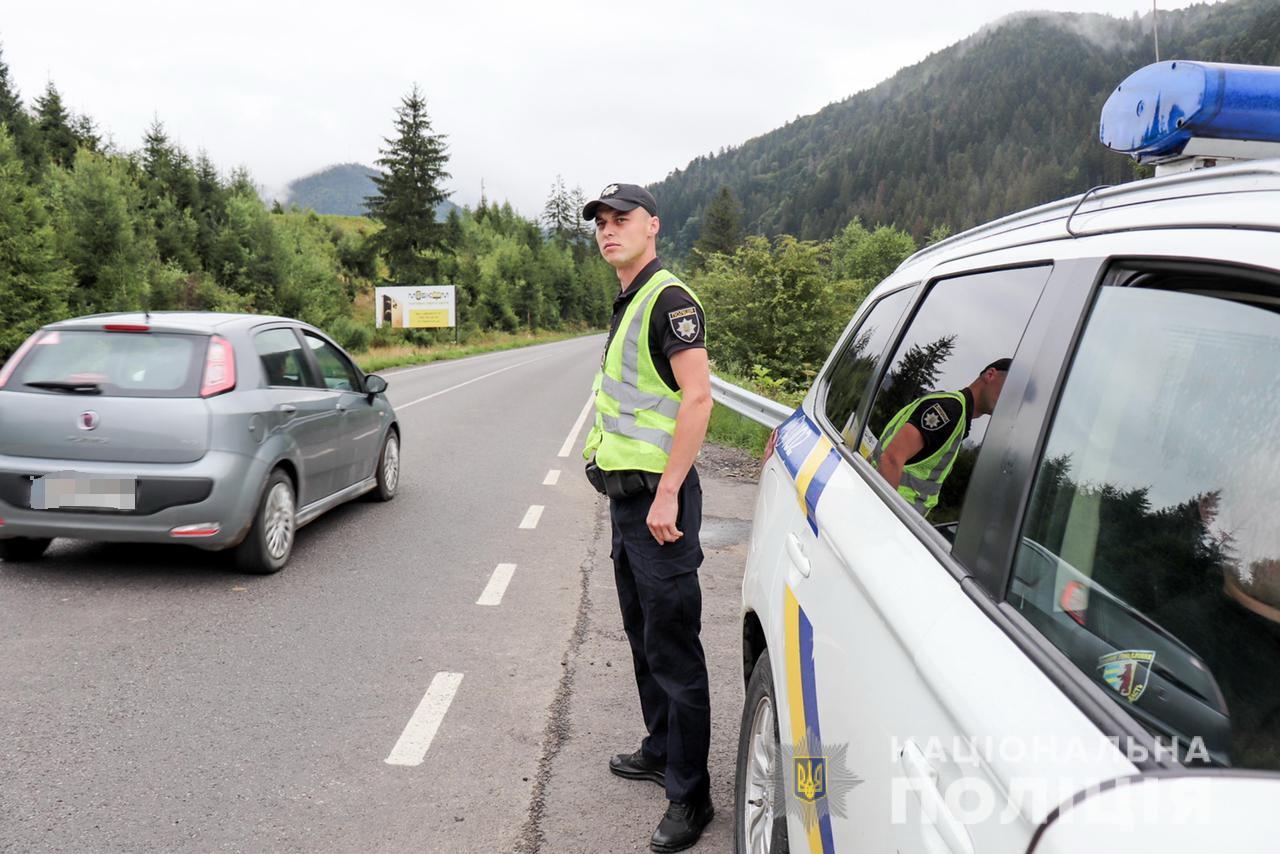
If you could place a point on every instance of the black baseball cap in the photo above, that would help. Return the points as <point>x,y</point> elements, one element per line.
<point>622,197</point>
<point>1001,365</point>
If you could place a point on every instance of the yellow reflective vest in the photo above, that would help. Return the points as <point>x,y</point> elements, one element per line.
<point>921,482</point>
<point>635,409</point>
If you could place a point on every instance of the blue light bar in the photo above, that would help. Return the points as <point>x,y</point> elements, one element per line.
<point>1157,110</point>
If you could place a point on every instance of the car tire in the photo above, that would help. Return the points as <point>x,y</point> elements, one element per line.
<point>388,472</point>
<point>269,543</point>
<point>759,802</point>
<point>23,549</point>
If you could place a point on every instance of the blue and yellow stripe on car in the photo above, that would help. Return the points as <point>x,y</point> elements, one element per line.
<point>810,458</point>
<point>802,707</point>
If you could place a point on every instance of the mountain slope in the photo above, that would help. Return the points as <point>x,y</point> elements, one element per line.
<point>341,189</point>
<point>1002,120</point>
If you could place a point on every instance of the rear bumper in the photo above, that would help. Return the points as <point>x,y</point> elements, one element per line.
<point>225,486</point>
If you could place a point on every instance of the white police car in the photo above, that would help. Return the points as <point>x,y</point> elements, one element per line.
<point>1095,599</point>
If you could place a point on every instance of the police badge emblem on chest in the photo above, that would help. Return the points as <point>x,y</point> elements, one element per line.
<point>684,323</point>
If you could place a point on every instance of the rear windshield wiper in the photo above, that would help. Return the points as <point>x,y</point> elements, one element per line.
<point>74,388</point>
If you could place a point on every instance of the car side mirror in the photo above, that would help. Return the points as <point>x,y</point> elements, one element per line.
<point>374,384</point>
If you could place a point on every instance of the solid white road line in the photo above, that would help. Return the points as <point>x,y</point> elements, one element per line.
<point>480,357</point>
<point>468,382</point>
<point>497,585</point>
<point>577,427</point>
<point>421,729</point>
<point>530,520</point>
<point>552,478</point>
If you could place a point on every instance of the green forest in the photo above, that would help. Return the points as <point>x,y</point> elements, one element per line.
<point>1001,121</point>
<point>87,228</point>
<point>781,237</point>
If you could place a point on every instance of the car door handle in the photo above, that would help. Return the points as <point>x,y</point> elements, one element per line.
<point>796,552</point>
<point>287,408</point>
<point>924,782</point>
<point>342,408</point>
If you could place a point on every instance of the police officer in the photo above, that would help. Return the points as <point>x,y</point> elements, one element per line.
<point>653,401</point>
<point>918,446</point>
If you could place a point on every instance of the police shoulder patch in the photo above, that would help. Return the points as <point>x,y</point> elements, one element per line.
<point>684,323</point>
<point>935,418</point>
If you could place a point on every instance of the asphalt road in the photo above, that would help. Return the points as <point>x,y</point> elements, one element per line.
<point>153,699</point>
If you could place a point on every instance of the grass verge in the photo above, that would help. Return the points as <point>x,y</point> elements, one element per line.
<point>380,358</point>
<point>737,431</point>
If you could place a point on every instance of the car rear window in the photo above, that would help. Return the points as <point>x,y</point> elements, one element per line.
<point>113,364</point>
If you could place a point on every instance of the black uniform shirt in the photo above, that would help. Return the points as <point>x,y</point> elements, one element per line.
<point>675,322</point>
<point>935,418</point>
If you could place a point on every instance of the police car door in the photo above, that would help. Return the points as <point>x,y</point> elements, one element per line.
<point>896,715</point>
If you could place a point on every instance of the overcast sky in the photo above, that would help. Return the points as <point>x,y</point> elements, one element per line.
<point>598,92</point>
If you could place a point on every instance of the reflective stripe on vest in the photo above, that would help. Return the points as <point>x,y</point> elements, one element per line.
<point>917,485</point>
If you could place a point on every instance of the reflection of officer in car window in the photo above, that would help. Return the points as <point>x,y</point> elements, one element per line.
<point>919,445</point>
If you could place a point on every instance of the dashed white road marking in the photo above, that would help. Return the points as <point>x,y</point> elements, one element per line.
<point>421,729</point>
<point>497,585</point>
<point>552,478</point>
<point>530,520</point>
<point>469,382</point>
<point>577,427</point>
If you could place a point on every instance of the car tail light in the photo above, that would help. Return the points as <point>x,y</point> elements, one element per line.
<point>12,364</point>
<point>219,367</point>
<point>769,446</point>
<point>126,327</point>
<point>204,529</point>
<point>1075,600</point>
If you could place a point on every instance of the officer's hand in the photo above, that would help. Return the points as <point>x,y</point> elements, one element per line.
<point>662,518</point>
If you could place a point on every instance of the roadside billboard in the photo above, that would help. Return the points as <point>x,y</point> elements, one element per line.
<point>415,307</point>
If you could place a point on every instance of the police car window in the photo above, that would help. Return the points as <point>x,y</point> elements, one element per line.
<point>846,382</point>
<point>1150,554</point>
<point>963,336</point>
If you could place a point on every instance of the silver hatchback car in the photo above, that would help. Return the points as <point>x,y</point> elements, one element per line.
<point>217,430</point>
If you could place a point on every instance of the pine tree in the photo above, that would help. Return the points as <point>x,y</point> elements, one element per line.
<point>157,152</point>
<point>578,201</point>
<point>721,226</point>
<point>86,132</point>
<point>34,279</point>
<point>558,216</point>
<point>53,123</point>
<point>12,115</point>
<point>409,192</point>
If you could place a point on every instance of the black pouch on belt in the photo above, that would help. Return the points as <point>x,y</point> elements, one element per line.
<point>595,476</point>
<point>627,484</point>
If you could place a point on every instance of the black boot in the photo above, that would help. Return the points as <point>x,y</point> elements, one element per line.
<point>681,826</point>
<point>637,766</point>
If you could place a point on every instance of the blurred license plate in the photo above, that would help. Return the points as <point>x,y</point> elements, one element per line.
<point>67,490</point>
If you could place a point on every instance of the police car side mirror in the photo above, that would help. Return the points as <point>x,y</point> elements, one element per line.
<point>1187,812</point>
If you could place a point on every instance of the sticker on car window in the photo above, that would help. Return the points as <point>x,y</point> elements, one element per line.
<point>1127,671</point>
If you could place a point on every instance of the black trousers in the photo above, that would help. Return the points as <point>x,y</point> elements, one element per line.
<point>662,615</point>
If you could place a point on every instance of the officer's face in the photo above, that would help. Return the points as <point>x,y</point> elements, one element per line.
<point>623,236</point>
<point>993,387</point>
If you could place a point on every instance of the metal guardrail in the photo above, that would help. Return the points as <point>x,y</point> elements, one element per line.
<point>759,409</point>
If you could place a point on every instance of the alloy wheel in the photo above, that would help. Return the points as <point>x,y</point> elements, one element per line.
<point>760,810</point>
<point>279,521</point>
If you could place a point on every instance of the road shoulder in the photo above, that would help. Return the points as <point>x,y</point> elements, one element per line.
<point>579,806</point>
